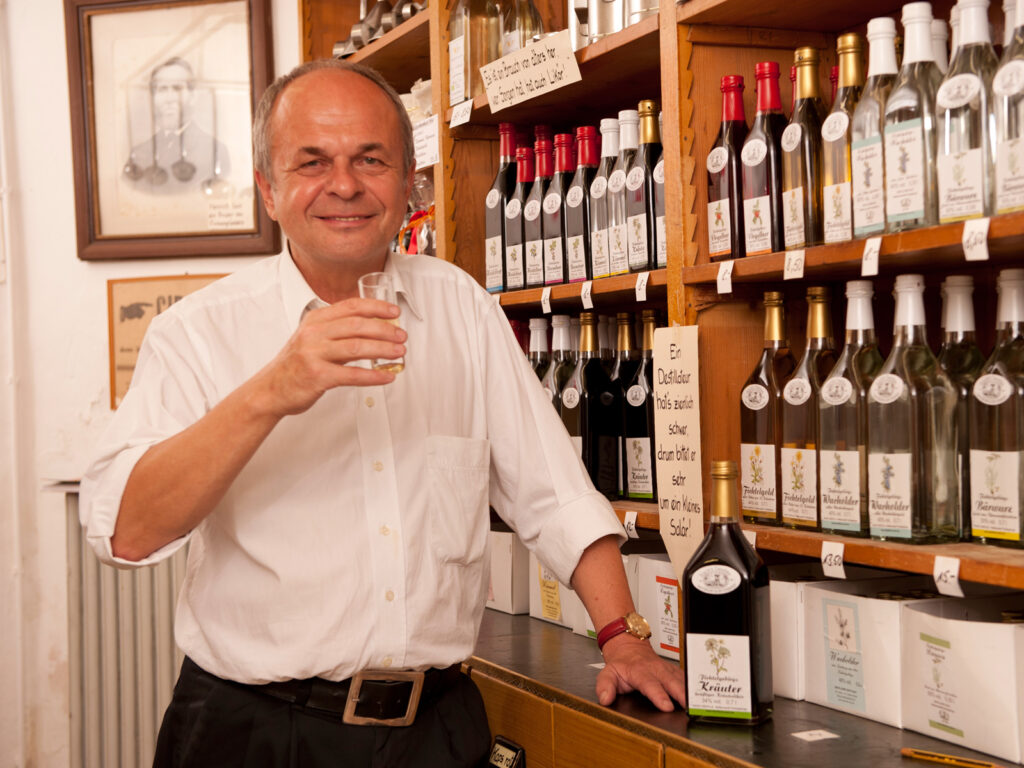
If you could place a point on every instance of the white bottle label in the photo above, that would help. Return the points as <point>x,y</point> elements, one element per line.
<point>531,210</point>
<point>793,217</point>
<point>904,170</point>
<point>618,249</point>
<point>635,179</point>
<point>493,198</point>
<point>659,229</point>
<point>492,261</point>
<point>836,390</point>
<point>992,389</point>
<point>868,197</point>
<point>757,479</point>
<point>754,152</point>
<point>797,391</point>
<point>887,388</point>
<point>799,485</point>
<point>552,203</point>
<point>995,494</point>
<point>889,494</point>
<point>637,233</point>
<point>576,259</point>
<point>717,159</point>
<point>838,212</point>
<point>719,228</point>
<point>598,187</point>
<point>534,262</point>
<point>515,271</point>
<point>716,579</point>
<point>659,172</point>
<point>834,127</point>
<point>513,208</point>
<point>639,477</point>
<point>961,186</point>
<point>553,261</point>
<point>844,667</point>
<point>958,91</point>
<point>757,224</point>
<point>1009,79</point>
<point>1010,175</point>
<point>791,137</point>
<point>718,675</point>
<point>570,397</point>
<point>457,70</point>
<point>754,396</point>
<point>840,490</point>
<point>636,395</point>
<point>574,197</point>
<point>617,181</point>
<point>599,253</point>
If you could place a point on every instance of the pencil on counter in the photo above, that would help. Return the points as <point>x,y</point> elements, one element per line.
<point>938,757</point>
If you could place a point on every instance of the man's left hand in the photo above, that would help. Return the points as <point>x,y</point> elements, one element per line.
<point>632,665</point>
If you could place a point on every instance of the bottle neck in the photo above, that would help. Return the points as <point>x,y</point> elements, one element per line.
<point>647,343</point>
<point>910,320</point>
<point>974,24</point>
<point>774,325</point>
<point>610,143</point>
<point>957,311</point>
<point>563,158</point>
<point>624,341</point>
<point>629,137</point>
<point>724,503</point>
<point>1010,305</point>
<point>732,106</point>
<point>539,341</point>
<point>768,98</point>
<point>561,339</point>
<point>586,147</point>
<point>851,68</point>
<point>859,336</point>
<point>807,81</point>
<point>588,340</point>
<point>525,170</point>
<point>649,129</point>
<point>882,55</point>
<point>819,323</point>
<point>859,316</point>
<point>507,146</point>
<point>917,41</point>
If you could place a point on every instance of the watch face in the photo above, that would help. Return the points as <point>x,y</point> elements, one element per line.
<point>637,626</point>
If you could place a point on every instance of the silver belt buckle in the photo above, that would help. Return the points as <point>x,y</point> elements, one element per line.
<point>383,675</point>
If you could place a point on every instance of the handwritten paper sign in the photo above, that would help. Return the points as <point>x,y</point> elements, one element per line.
<point>540,67</point>
<point>462,113</point>
<point>641,286</point>
<point>545,300</point>
<point>946,572</point>
<point>724,279</point>
<point>585,290</point>
<point>975,239</point>
<point>832,559</point>
<point>424,135</point>
<point>677,442</point>
<point>793,268</point>
<point>869,259</point>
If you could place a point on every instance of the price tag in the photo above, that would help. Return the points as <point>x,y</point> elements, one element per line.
<point>816,735</point>
<point>545,300</point>
<point>461,113</point>
<point>869,261</point>
<point>641,286</point>
<point>832,559</point>
<point>794,269</point>
<point>946,573</point>
<point>975,239</point>
<point>725,277</point>
<point>588,286</point>
<point>751,537</point>
<point>630,524</point>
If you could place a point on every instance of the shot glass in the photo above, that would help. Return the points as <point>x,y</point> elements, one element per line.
<point>378,285</point>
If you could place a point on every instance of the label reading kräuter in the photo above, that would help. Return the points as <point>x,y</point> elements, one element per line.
<point>868,178</point>
<point>636,228</point>
<point>492,261</point>
<point>840,490</point>
<point>995,494</point>
<point>904,170</point>
<point>718,675</point>
<point>793,217</point>
<point>799,485</point>
<point>889,495</point>
<point>719,228</point>
<point>757,479</point>
<point>961,185</point>
<point>639,477</point>
<point>757,225</point>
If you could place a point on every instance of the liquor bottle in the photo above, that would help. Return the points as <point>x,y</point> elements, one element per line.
<point>577,206</point>
<point>520,25</point>
<point>963,102</point>
<point>599,213</point>
<point>638,420</point>
<point>1007,97</point>
<point>641,237</point>
<point>837,205</point>
<point>618,238</point>
<point>624,365</point>
<point>515,271</point>
<point>475,39</point>
<point>605,17</point>
<point>960,357</point>
<point>911,198</point>
<point>725,185</point>
<point>540,360</point>
<point>562,359</point>
<point>940,37</point>
<point>801,157</point>
<point>800,432</point>
<point>533,226</point>
<point>592,409</point>
<point>866,147</point>
<point>761,168</point>
<point>954,26</point>
<point>551,215</point>
<point>761,419</point>
<point>833,79</point>
<point>1009,21</point>
<point>494,218</point>
<point>792,88</point>
<point>843,419</point>
<point>912,488</point>
<point>997,423</point>
<point>727,617</point>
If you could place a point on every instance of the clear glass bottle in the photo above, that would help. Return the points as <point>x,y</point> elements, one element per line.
<point>965,150</point>
<point>761,166</point>
<point>911,192</point>
<point>940,40</point>
<point>997,424</point>
<point>494,209</point>
<point>474,39</point>
<point>641,233</point>
<point>540,359</point>
<point>843,419</point>
<point>521,24</point>
<point>599,212</point>
<point>727,617</point>
<point>562,360</point>
<point>725,181</point>
<point>867,130</point>
<point>638,451</point>
<point>1008,115</point>
<point>837,210</point>
<point>912,485</point>
<point>533,225</point>
<point>801,157</point>
<point>618,238</point>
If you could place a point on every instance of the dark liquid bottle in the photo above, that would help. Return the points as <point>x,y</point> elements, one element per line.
<point>624,363</point>
<point>762,166</point>
<point>725,184</point>
<point>577,206</point>
<point>515,270</point>
<point>727,618</point>
<point>552,213</point>
<point>494,216</point>
<point>540,360</point>
<point>641,232</point>
<point>638,453</point>
<point>533,231</point>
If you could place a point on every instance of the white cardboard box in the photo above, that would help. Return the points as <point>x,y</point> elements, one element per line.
<point>509,589</point>
<point>963,673</point>
<point>549,599</point>
<point>659,602</point>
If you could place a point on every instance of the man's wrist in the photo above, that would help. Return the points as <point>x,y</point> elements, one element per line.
<point>632,624</point>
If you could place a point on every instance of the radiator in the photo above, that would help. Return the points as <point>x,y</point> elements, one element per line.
<point>122,659</point>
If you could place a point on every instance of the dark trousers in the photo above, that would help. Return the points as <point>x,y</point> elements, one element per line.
<point>215,723</point>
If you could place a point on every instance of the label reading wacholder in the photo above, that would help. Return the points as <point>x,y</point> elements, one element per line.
<point>868,193</point>
<point>904,170</point>
<point>840,490</point>
<point>718,675</point>
<point>844,666</point>
<point>889,496</point>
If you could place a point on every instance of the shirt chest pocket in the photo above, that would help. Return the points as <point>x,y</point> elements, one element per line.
<point>459,469</point>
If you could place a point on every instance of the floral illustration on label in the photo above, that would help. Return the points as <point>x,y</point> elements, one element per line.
<point>903,160</point>
<point>887,473</point>
<point>757,210</point>
<point>838,468</point>
<point>756,466</point>
<point>837,202</point>
<point>868,173</point>
<point>796,471</point>
<point>718,652</point>
<point>492,247</point>
<point>959,175</point>
<point>992,474</point>
<point>792,209</point>
<point>843,636</point>
<point>718,215</point>
<point>637,231</point>
<point>533,250</point>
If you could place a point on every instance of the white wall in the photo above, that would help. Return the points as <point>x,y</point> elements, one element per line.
<point>54,391</point>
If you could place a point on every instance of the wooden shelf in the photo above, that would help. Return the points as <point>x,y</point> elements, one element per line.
<point>605,290</point>
<point>646,513</point>
<point>402,55</point>
<point>785,14</point>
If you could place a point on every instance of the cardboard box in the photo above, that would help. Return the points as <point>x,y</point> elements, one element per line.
<point>509,589</point>
<point>549,600</point>
<point>963,673</point>
<point>659,602</point>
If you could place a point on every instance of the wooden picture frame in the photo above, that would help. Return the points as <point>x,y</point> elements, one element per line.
<point>162,94</point>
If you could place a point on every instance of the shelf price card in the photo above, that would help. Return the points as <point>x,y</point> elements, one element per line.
<point>539,68</point>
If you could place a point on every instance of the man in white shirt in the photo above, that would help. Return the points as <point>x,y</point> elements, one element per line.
<point>338,515</point>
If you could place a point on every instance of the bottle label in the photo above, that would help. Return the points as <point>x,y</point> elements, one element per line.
<point>531,210</point>
<point>659,172</point>
<point>718,675</point>
<point>961,185</point>
<point>576,258</point>
<point>868,199</point>
<point>844,667</point>
<point>754,152</point>
<point>636,395</point>
<point>757,225</point>
<point>492,262</point>
<point>515,271</point>
<point>617,181</point>
<point>493,198</point>
<point>793,217</point>
<point>570,397</point>
<point>754,396</point>
<point>598,187</point>
<point>552,203</point>
<point>534,262</point>
<point>1009,79</point>
<point>639,477</point>
<point>757,480</point>
<point>618,249</point>
<point>599,253</point>
<point>574,196</point>
<point>904,170</point>
<point>958,91</point>
<point>637,233</point>
<point>457,70</point>
<point>838,212</point>
<point>719,228</point>
<point>840,490</point>
<point>836,390</point>
<point>887,388</point>
<point>889,497</point>
<point>553,261</point>
<point>659,231</point>
<point>995,494</point>
<point>992,389</point>
<point>835,125</point>
<point>797,391</point>
<point>716,579</point>
<point>1010,175</point>
<point>513,208</point>
<point>799,486</point>
<point>717,159</point>
<point>635,179</point>
<point>791,137</point>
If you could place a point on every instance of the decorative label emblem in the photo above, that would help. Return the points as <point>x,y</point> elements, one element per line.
<point>493,198</point>
<point>754,152</point>
<point>836,391</point>
<point>791,137</point>
<point>617,181</point>
<point>531,210</point>
<point>574,197</point>
<point>513,208</point>
<point>552,203</point>
<point>755,396</point>
<point>1009,80</point>
<point>716,579</point>
<point>635,179</point>
<point>636,395</point>
<point>958,91</point>
<point>797,391</point>
<point>598,187</point>
<point>570,397</point>
<point>717,158</point>
<point>659,172</point>
<point>992,389</point>
<point>887,388</point>
<point>835,125</point>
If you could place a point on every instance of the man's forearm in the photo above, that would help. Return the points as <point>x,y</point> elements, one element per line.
<point>600,581</point>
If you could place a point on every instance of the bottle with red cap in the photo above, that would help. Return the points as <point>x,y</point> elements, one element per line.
<point>761,166</point>
<point>577,206</point>
<point>641,235</point>
<point>533,227</point>
<point>494,211</point>
<point>554,204</point>
<point>725,186</point>
<point>515,271</point>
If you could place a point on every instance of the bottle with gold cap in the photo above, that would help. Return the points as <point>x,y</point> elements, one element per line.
<point>638,454</point>
<point>641,232</point>
<point>801,157</point>
<point>837,209</point>
<point>761,419</point>
<point>623,366</point>
<point>727,617</point>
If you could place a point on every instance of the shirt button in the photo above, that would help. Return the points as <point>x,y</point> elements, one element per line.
<point>386,661</point>
<point>378,466</point>
<point>384,530</point>
<point>369,402</point>
<point>389,595</point>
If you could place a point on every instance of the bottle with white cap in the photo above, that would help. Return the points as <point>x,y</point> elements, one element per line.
<point>962,359</point>
<point>1009,21</point>
<point>540,360</point>
<point>842,416</point>
<point>940,39</point>
<point>912,484</point>
<point>562,359</point>
<point>910,187</point>
<point>599,213</point>
<point>618,239</point>
<point>966,152</point>
<point>997,424</point>
<point>1007,98</point>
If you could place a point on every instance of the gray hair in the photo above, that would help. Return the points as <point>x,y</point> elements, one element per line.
<point>261,137</point>
<point>174,61</point>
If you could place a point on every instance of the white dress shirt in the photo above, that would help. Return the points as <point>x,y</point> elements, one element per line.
<point>356,536</point>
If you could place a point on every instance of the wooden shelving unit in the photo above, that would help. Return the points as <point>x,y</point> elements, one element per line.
<point>401,55</point>
<point>619,289</point>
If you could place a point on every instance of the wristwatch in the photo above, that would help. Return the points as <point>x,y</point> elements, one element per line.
<point>632,622</point>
